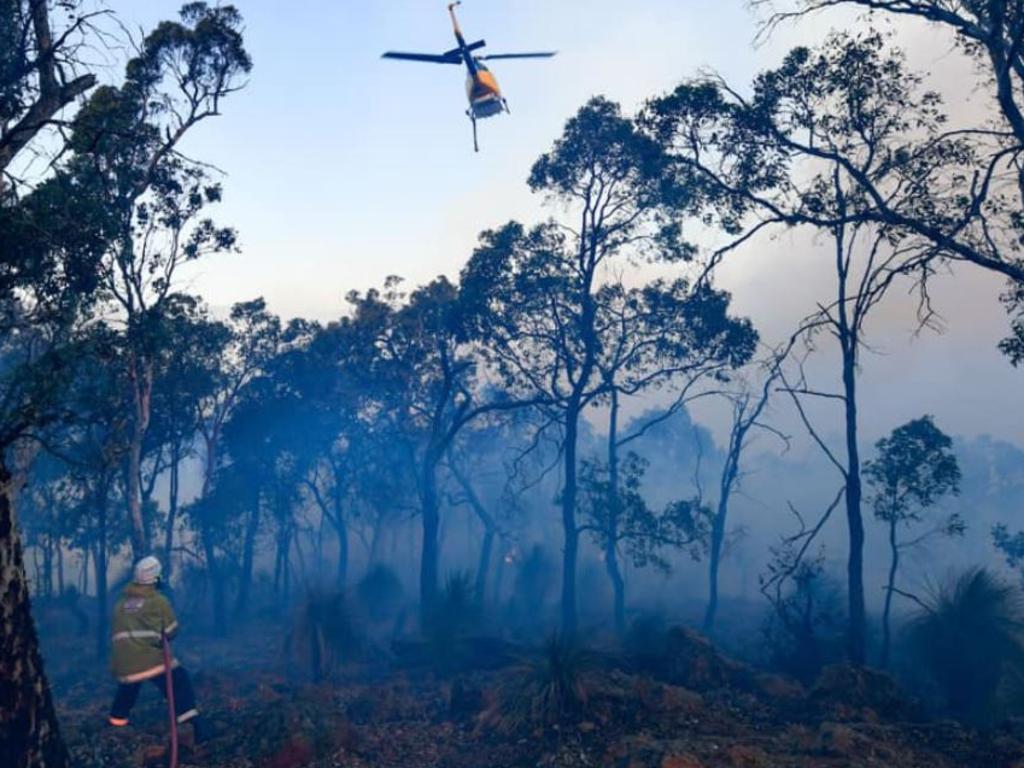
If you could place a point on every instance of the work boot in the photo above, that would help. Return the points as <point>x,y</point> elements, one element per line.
<point>201,730</point>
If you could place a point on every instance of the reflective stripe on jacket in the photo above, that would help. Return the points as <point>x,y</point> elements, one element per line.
<point>141,613</point>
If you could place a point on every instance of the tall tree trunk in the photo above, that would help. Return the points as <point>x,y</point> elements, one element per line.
<point>172,509</point>
<point>570,531</point>
<point>718,526</point>
<point>60,569</point>
<point>857,630</point>
<point>714,563</point>
<point>341,579</point>
<point>141,374</point>
<point>84,575</point>
<point>48,567</point>
<point>429,555</point>
<point>100,561</point>
<point>248,555</point>
<point>29,733</point>
<point>611,548</point>
<point>483,566</point>
<point>219,591</point>
<point>894,565</point>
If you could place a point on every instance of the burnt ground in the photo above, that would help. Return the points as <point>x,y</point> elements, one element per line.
<point>701,710</point>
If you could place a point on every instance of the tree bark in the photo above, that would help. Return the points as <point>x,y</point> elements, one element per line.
<point>611,548</point>
<point>100,565</point>
<point>429,555</point>
<point>248,555</point>
<point>341,578</point>
<point>141,375</point>
<point>220,625</point>
<point>29,732</point>
<point>570,531</point>
<point>894,565</point>
<point>172,509</point>
<point>857,630</point>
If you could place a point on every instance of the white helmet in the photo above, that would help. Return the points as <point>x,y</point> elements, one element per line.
<point>147,570</point>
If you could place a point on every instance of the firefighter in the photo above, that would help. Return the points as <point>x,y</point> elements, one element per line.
<point>142,616</point>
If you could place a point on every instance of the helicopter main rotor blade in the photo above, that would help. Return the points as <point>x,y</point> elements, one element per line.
<point>537,55</point>
<point>430,58</point>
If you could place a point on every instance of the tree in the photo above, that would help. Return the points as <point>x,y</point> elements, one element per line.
<point>796,154</point>
<point>416,370</point>
<point>39,70</point>
<point>975,219</point>
<point>914,468</point>
<point>748,406</point>
<point>623,523</point>
<point>50,238</point>
<point>127,143</point>
<point>667,336</point>
<point>536,294</point>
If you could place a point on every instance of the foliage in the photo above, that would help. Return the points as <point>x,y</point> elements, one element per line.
<point>969,638</point>
<point>643,534</point>
<point>379,593</point>
<point>914,469</point>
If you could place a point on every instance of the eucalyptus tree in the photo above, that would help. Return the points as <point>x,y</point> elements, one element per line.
<point>538,294</point>
<point>127,141</point>
<point>795,153</point>
<point>239,355</point>
<point>188,372</point>
<point>418,372</point>
<point>914,468</point>
<point>41,72</point>
<point>50,240</point>
<point>748,406</point>
<point>625,525</point>
<point>669,336</point>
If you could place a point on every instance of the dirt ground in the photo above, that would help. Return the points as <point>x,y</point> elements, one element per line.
<point>379,715</point>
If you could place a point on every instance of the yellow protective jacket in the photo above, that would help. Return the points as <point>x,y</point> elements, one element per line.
<point>141,614</point>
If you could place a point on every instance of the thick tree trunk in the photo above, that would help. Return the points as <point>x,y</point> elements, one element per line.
<point>570,531</point>
<point>29,733</point>
<point>429,554</point>
<point>142,386</point>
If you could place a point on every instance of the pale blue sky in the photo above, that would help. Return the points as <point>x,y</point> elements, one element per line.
<point>343,168</point>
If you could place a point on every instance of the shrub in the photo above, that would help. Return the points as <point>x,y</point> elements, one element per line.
<point>380,593</point>
<point>547,690</point>
<point>970,639</point>
<point>323,634</point>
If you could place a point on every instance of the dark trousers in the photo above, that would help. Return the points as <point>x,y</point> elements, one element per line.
<point>184,696</point>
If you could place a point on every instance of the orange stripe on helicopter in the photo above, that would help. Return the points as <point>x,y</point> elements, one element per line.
<point>483,85</point>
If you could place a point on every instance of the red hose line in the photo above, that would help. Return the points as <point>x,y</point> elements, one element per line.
<point>169,682</point>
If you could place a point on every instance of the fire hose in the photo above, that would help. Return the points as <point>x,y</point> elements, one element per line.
<point>169,683</point>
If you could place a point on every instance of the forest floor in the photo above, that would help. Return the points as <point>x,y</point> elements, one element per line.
<point>701,711</point>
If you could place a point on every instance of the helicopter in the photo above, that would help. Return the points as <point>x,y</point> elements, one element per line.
<point>482,90</point>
